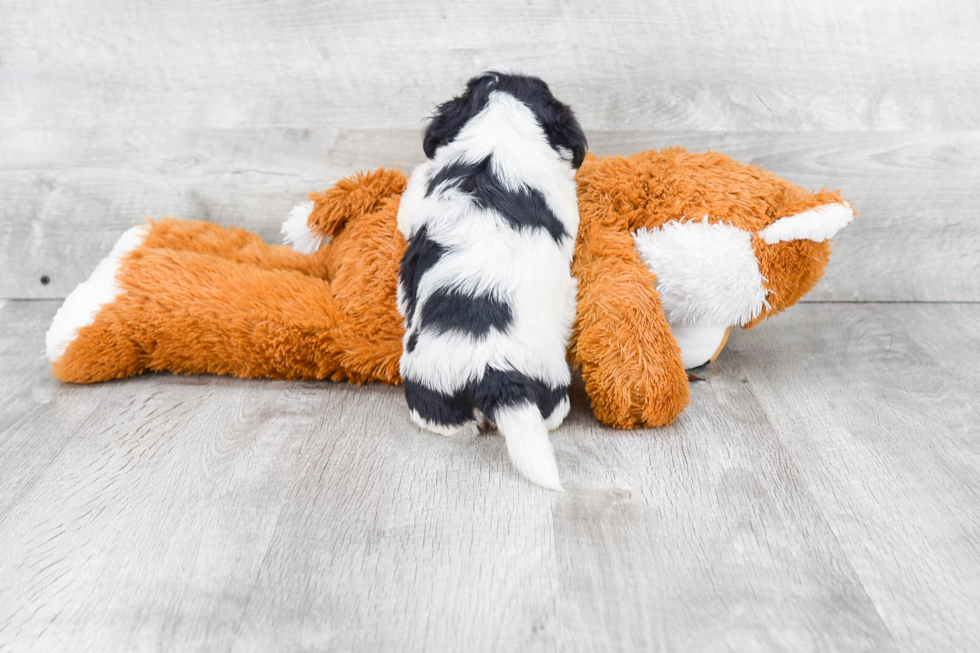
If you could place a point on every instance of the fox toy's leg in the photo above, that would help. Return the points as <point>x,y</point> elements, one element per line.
<point>621,341</point>
<point>156,309</point>
<point>353,227</point>
<point>232,244</point>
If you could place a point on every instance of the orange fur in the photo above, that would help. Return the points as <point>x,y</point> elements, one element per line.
<point>199,298</point>
<point>622,343</point>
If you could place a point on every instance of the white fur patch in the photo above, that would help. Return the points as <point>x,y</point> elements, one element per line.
<point>467,428</point>
<point>508,130</point>
<point>83,304</point>
<point>698,343</point>
<point>706,273</point>
<point>526,268</point>
<point>528,445</point>
<point>499,260</point>
<point>817,224</point>
<point>297,233</point>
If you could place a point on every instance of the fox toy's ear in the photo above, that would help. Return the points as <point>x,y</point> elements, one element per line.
<point>451,116</point>
<point>817,224</point>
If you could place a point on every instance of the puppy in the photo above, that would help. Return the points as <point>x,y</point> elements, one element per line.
<point>485,286</point>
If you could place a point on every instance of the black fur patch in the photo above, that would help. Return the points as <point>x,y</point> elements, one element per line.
<point>454,174</point>
<point>422,253</point>
<point>412,341</point>
<point>556,119</point>
<point>497,389</point>
<point>523,209</point>
<point>447,309</point>
<point>502,389</point>
<point>449,410</point>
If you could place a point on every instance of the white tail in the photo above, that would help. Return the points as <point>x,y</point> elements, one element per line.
<point>528,444</point>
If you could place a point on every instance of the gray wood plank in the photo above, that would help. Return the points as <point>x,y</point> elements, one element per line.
<point>30,405</point>
<point>705,64</point>
<point>703,537</point>
<point>156,514</point>
<point>820,493</point>
<point>233,111</point>
<point>878,405</point>
<point>66,195</point>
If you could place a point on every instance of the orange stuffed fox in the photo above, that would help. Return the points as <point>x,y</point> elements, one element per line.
<point>674,249</point>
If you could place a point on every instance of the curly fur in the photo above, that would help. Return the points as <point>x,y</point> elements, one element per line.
<point>485,289</point>
<point>201,298</point>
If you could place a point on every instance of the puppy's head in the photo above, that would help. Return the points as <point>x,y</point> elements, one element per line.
<point>556,119</point>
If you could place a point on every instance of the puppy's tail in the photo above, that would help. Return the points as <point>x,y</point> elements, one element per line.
<point>528,444</point>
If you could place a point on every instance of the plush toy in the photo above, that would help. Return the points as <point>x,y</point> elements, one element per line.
<point>674,248</point>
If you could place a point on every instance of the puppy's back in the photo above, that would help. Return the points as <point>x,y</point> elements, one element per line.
<point>485,286</point>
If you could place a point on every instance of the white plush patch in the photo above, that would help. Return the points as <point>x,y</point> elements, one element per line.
<point>698,343</point>
<point>817,224</point>
<point>83,304</point>
<point>297,233</point>
<point>528,445</point>
<point>706,273</point>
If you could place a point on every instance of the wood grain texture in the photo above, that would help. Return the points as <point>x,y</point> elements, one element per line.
<point>232,111</point>
<point>884,426</point>
<point>718,65</point>
<point>820,494</point>
<point>65,195</point>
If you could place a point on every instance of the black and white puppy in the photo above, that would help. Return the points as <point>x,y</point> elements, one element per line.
<point>485,285</point>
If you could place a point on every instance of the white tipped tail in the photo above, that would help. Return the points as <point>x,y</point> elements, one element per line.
<point>84,303</point>
<point>297,233</point>
<point>528,445</point>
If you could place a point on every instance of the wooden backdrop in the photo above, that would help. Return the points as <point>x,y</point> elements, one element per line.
<point>232,111</point>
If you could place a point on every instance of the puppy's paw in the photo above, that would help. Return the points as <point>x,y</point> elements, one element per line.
<point>446,430</point>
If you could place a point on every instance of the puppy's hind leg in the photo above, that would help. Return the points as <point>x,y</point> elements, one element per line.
<point>447,415</point>
<point>470,427</point>
<point>558,414</point>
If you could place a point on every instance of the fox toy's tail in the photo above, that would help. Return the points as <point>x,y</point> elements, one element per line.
<point>528,445</point>
<point>194,298</point>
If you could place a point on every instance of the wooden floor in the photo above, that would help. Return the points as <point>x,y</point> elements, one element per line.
<point>821,493</point>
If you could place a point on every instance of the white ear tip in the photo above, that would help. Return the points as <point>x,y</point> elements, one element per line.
<point>817,224</point>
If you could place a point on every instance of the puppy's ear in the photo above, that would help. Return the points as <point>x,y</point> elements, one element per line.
<point>563,130</point>
<point>450,116</point>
